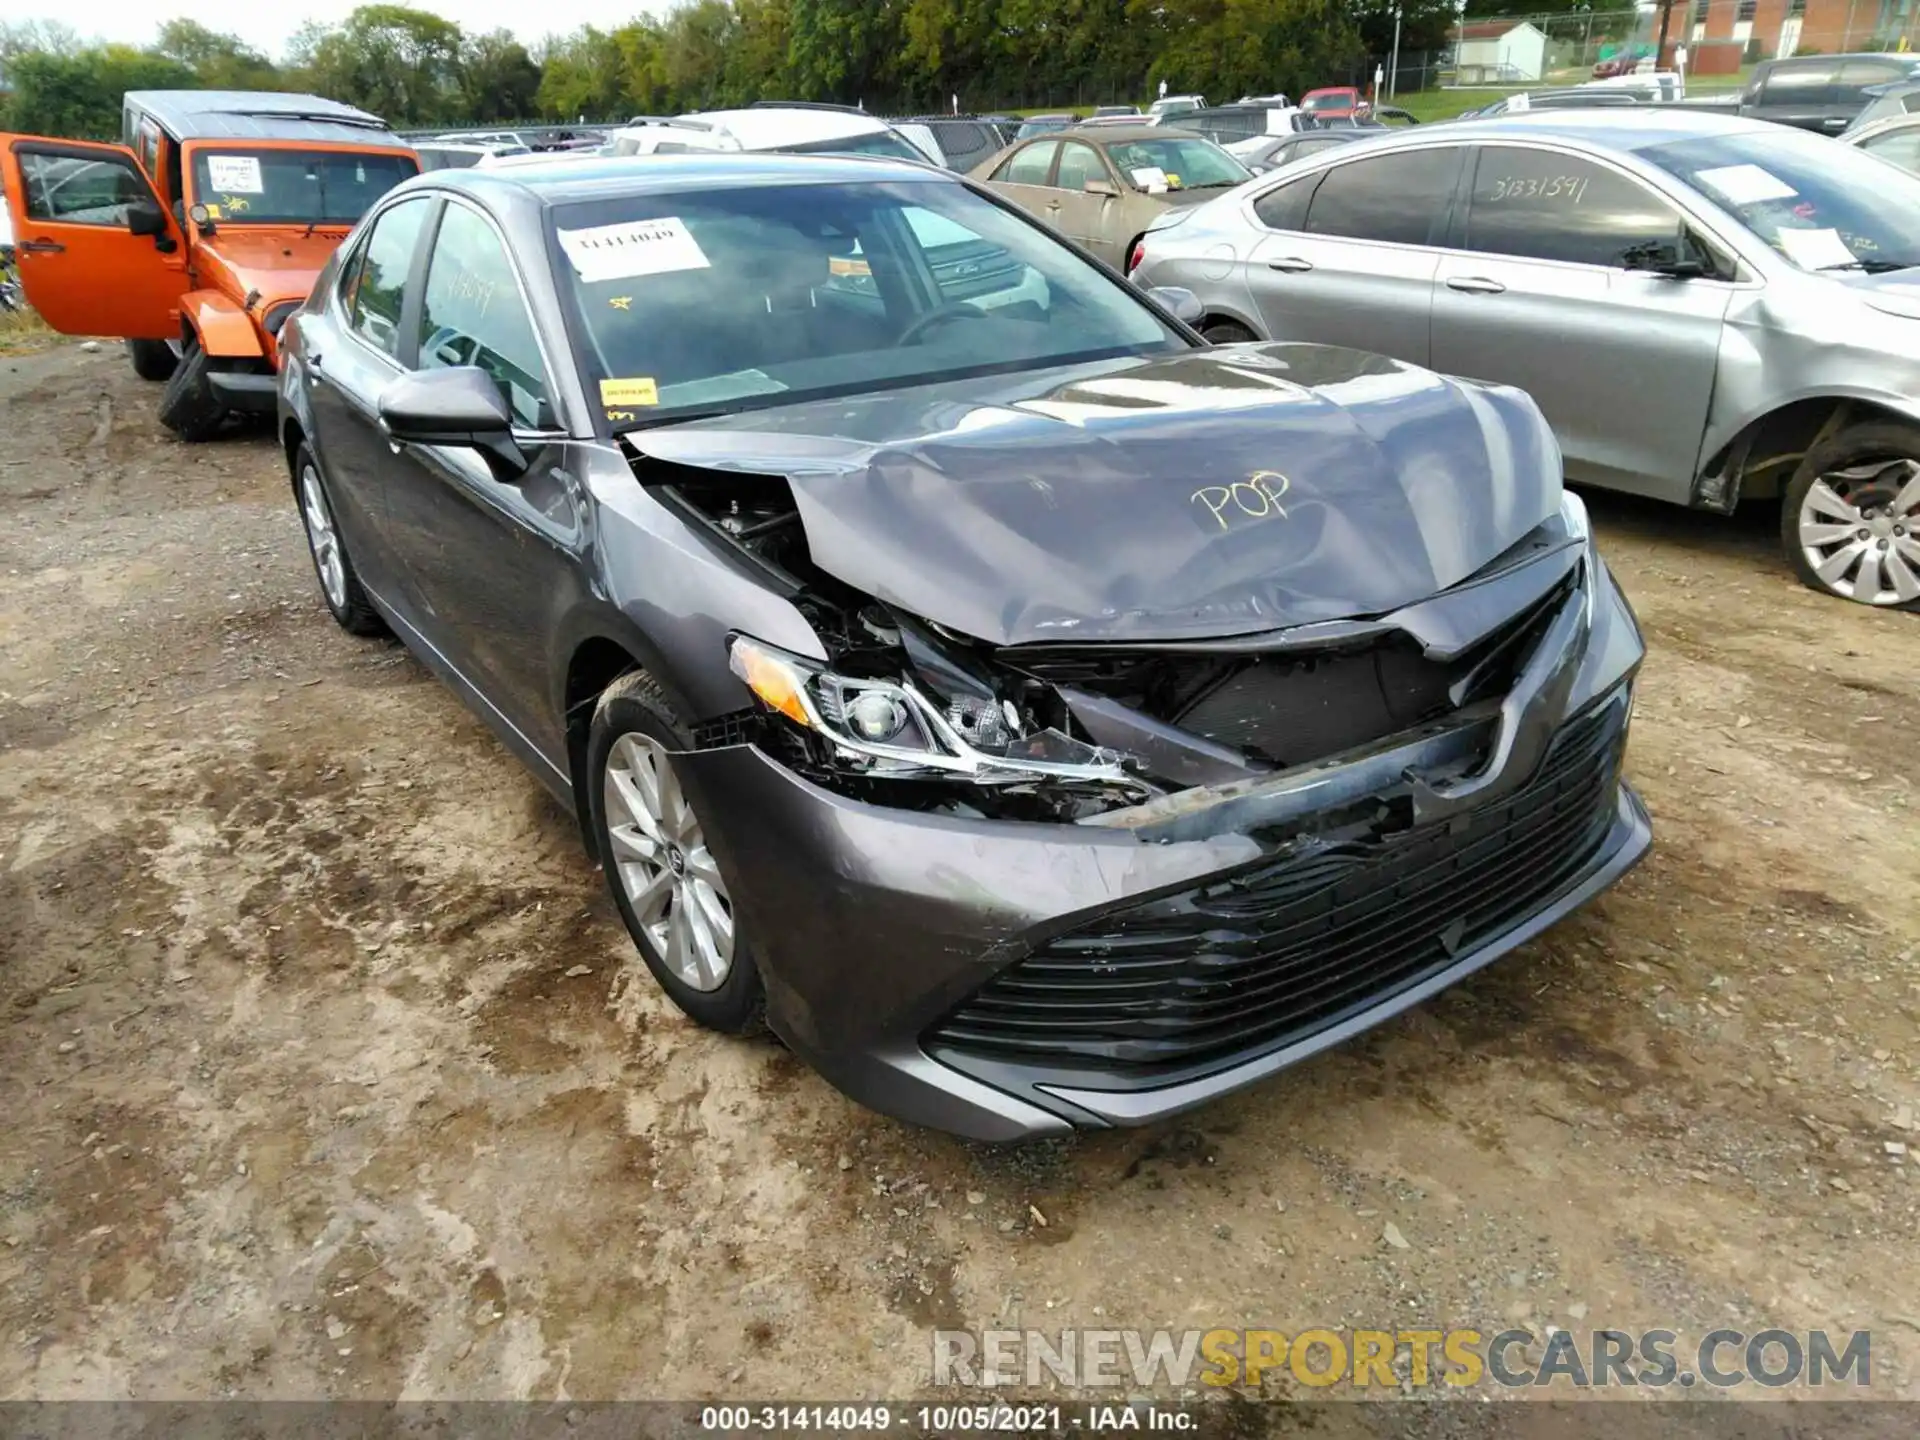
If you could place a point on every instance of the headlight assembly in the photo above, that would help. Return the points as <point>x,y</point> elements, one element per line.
<point>894,728</point>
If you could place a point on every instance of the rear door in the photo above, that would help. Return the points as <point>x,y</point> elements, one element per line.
<point>1355,266</point>
<point>1851,92</point>
<point>1084,218</point>
<point>81,266</point>
<point>1026,177</point>
<point>1539,295</point>
<point>352,349</point>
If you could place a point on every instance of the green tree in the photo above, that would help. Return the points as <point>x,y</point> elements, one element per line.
<point>401,64</point>
<point>78,93</point>
<point>582,74</point>
<point>498,79</point>
<point>219,62</point>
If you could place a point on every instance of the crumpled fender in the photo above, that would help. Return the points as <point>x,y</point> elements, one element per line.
<point>223,328</point>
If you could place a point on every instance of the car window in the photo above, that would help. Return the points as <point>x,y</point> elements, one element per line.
<point>1820,205</point>
<point>1901,147</point>
<point>377,292</point>
<point>749,296</point>
<point>1286,207</point>
<point>1180,163</point>
<point>1311,143</point>
<point>282,187</point>
<point>1400,198</point>
<point>1545,205</point>
<point>1078,164</point>
<point>474,314</point>
<point>1029,166</point>
<point>1850,86</point>
<point>77,190</point>
<point>1798,82</point>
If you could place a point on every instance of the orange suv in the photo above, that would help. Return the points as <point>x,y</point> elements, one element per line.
<point>197,237</point>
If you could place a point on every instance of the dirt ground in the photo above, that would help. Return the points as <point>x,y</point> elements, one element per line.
<point>328,1071</point>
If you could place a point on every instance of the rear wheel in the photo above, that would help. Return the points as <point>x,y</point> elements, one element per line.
<point>152,359</point>
<point>189,407</point>
<point>1850,521</point>
<point>1225,332</point>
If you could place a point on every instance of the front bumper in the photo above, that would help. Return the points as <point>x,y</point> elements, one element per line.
<point>984,977</point>
<point>246,391</point>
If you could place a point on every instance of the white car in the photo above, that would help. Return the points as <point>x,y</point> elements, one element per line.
<point>792,128</point>
<point>463,154</point>
<point>1175,105</point>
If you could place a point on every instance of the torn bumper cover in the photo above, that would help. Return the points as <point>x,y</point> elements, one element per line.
<point>1004,980</point>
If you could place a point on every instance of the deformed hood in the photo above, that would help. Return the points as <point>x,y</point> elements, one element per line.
<point>1214,492</point>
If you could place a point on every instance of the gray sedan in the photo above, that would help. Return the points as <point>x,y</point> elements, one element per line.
<point>1707,309</point>
<point>1895,140</point>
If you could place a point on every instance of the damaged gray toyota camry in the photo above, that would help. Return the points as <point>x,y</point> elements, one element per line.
<point>1038,718</point>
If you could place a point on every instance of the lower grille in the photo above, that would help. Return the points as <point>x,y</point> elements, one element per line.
<point>1276,952</point>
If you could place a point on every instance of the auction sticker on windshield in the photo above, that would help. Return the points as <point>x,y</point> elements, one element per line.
<point>638,391</point>
<point>1746,184</point>
<point>234,174</point>
<point>1816,249</point>
<point>640,247</point>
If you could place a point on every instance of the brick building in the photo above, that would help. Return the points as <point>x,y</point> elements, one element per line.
<point>1721,34</point>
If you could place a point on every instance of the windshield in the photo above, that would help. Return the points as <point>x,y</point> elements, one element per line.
<point>1823,206</point>
<point>696,303</point>
<point>295,187</point>
<point>880,142</point>
<point>1331,100</point>
<point>1189,164</point>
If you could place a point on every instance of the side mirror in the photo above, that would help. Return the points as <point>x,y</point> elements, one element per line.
<point>1184,304</point>
<point>146,218</point>
<point>1101,187</point>
<point>462,406</point>
<point>1663,258</point>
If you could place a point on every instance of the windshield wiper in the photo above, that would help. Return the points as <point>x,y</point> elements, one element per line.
<point>1868,267</point>
<point>680,417</point>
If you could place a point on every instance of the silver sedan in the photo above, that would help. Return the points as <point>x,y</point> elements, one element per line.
<point>1707,309</point>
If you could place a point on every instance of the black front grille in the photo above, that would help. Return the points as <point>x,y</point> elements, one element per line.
<point>1273,953</point>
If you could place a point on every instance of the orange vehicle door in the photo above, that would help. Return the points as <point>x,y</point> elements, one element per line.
<point>96,252</point>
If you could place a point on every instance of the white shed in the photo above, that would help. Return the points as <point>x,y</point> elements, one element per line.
<point>1500,52</point>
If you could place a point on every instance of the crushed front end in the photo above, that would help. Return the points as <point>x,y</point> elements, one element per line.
<point>1011,890</point>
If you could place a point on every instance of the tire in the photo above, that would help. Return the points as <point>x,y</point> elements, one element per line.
<point>189,407</point>
<point>340,587</point>
<point>1866,481</point>
<point>633,723</point>
<point>1225,332</point>
<point>152,359</point>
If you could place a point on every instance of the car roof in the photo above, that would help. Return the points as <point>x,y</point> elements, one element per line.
<point>564,181</point>
<point>261,115</point>
<point>766,126</point>
<point>1120,134</point>
<point>1628,127</point>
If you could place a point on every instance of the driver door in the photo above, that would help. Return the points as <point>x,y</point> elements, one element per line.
<point>82,268</point>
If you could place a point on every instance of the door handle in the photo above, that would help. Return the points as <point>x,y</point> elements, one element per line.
<point>1292,264</point>
<point>1476,285</point>
<point>41,247</point>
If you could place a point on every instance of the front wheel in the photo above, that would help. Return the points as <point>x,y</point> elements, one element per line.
<point>339,582</point>
<point>1225,332</point>
<point>665,881</point>
<point>190,408</point>
<point>1850,521</point>
<point>152,359</point>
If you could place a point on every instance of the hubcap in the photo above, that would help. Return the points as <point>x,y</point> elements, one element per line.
<point>1858,531</point>
<point>322,540</point>
<point>664,867</point>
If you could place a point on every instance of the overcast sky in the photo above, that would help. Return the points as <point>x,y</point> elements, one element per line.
<point>267,24</point>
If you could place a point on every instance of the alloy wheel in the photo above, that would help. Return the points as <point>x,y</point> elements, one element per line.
<point>663,864</point>
<point>1860,531</point>
<point>322,538</point>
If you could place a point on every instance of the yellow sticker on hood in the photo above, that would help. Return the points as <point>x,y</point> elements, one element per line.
<point>640,391</point>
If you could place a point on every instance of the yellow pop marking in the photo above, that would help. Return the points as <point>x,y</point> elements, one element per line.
<point>637,391</point>
<point>1255,498</point>
<point>621,302</point>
